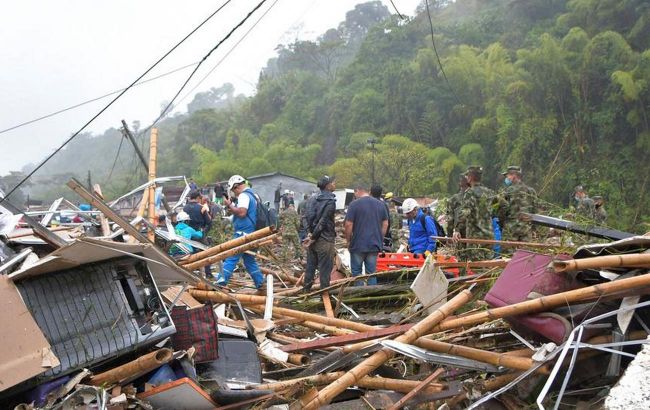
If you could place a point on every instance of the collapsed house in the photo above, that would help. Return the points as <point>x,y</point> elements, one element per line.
<point>97,314</point>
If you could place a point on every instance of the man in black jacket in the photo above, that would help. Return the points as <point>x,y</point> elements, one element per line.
<point>322,233</point>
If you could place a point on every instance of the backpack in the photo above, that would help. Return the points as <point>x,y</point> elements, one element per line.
<point>263,218</point>
<point>439,229</point>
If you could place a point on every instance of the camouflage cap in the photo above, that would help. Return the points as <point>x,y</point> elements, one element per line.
<point>597,197</point>
<point>511,168</point>
<point>579,188</point>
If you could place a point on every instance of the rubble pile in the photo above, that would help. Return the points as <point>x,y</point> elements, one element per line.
<point>96,314</point>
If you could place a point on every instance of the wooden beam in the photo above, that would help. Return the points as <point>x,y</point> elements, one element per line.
<point>153,149</point>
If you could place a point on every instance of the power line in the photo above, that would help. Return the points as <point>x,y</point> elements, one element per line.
<point>397,11</point>
<point>66,142</point>
<point>227,54</point>
<point>119,148</point>
<point>72,107</point>
<point>226,37</point>
<point>435,50</point>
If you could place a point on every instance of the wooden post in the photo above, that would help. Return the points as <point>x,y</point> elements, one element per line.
<point>328,304</point>
<point>609,261</point>
<point>106,230</point>
<point>262,233</point>
<point>506,244</point>
<point>417,389</point>
<point>326,395</point>
<point>153,150</point>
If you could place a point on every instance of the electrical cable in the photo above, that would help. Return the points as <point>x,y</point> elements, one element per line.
<point>397,11</point>
<point>66,142</point>
<point>72,107</point>
<point>110,174</point>
<point>435,50</point>
<point>225,55</point>
<point>166,110</point>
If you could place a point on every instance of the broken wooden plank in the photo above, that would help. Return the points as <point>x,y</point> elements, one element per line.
<point>417,389</point>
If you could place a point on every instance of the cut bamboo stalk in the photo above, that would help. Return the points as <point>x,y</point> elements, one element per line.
<point>326,395</point>
<point>546,303</point>
<point>298,359</point>
<point>327,303</point>
<point>281,275</point>
<point>367,382</point>
<point>417,389</point>
<point>332,330</point>
<point>229,244</point>
<point>506,244</point>
<point>153,149</point>
<point>134,369</point>
<point>225,254</point>
<point>597,262</point>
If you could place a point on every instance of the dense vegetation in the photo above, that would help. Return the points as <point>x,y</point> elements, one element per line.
<point>560,87</point>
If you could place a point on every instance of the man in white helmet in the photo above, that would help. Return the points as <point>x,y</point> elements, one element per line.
<point>243,208</point>
<point>421,229</point>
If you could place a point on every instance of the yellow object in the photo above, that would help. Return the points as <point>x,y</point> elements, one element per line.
<point>388,195</point>
<point>427,254</point>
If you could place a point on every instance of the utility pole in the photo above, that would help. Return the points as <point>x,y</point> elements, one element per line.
<point>372,142</point>
<point>127,134</point>
<point>90,185</point>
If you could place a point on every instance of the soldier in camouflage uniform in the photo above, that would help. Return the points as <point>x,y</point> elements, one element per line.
<point>476,211</point>
<point>516,198</point>
<point>396,221</point>
<point>289,226</point>
<point>454,222</point>
<point>600,215</point>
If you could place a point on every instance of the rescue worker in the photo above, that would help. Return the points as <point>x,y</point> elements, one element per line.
<point>421,229</point>
<point>583,204</point>
<point>186,231</point>
<point>244,213</point>
<point>395,221</point>
<point>289,227</point>
<point>476,210</point>
<point>517,199</point>
<point>454,221</point>
<point>321,234</point>
<point>600,215</point>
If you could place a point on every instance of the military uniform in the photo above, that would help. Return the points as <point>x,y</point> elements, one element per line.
<point>518,198</point>
<point>290,225</point>
<point>585,207</point>
<point>454,220</point>
<point>476,213</point>
<point>395,228</point>
<point>221,230</point>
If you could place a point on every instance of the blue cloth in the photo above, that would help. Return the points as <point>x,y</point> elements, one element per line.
<point>85,207</point>
<point>497,236</point>
<point>247,223</point>
<point>229,265</point>
<point>187,232</point>
<point>367,215</point>
<point>420,239</point>
<point>369,259</point>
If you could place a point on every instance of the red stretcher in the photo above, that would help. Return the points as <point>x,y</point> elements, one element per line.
<point>389,261</point>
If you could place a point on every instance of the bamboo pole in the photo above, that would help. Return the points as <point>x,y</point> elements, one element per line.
<point>279,274</point>
<point>223,255</point>
<point>229,245</point>
<point>498,263</point>
<point>326,395</point>
<point>609,261</point>
<point>327,303</point>
<point>548,302</point>
<point>506,244</point>
<point>153,149</point>
<point>377,383</point>
<point>433,376</point>
<point>298,359</point>
<point>134,369</point>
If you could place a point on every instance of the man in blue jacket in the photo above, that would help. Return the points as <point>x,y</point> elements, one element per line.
<point>244,214</point>
<point>421,229</point>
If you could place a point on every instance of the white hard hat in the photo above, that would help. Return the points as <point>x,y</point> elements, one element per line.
<point>234,180</point>
<point>182,216</point>
<point>409,205</point>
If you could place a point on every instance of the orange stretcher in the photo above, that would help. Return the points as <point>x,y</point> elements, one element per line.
<point>388,261</point>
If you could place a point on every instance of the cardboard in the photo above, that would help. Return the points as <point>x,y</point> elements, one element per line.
<point>25,352</point>
<point>430,286</point>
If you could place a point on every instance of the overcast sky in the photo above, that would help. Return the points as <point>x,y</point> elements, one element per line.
<point>56,54</point>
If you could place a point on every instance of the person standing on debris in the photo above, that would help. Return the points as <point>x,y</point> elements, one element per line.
<point>219,192</point>
<point>394,222</point>
<point>193,185</point>
<point>321,234</point>
<point>186,231</point>
<point>421,229</point>
<point>289,227</point>
<point>583,204</point>
<point>600,215</point>
<point>454,222</point>
<point>366,224</point>
<point>517,199</point>
<point>376,192</point>
<point>199,220</point>
<point>277,195</point>
<point>476,210</point>
<point>244,216</point>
